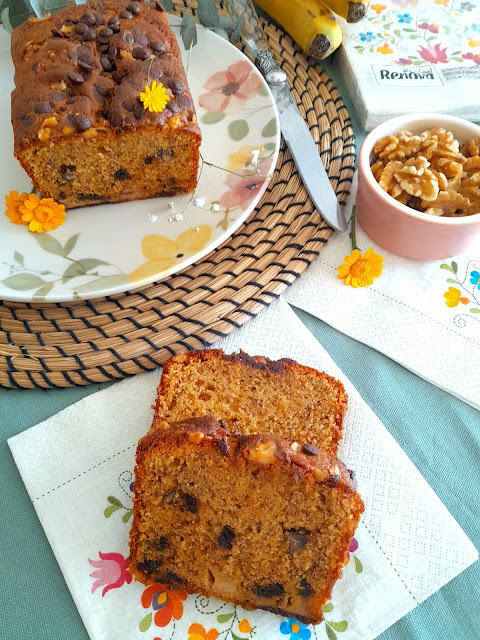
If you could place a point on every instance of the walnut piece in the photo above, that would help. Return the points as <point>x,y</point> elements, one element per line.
<point>417,179</point>
<point>447,203</point>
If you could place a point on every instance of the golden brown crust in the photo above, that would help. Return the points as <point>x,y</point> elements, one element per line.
<point>241,454</point>
<point>78,76</point>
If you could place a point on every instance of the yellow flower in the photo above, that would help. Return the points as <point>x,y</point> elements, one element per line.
<point>197,632</point>
<point>378,8</point>
<point>443,3</point>
<point>473,43</point>
<point>244,626</point>
<point>163,253</point>
<point>385,49</point>
<point>13,202</point>
<point>358,270</point>
<point>154,99</point>
<point>42,214</point>
<point>453,297</point>
<point>244,156</point>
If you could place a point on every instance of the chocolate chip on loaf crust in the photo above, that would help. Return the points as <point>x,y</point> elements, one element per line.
<point>57,34</point>
<point>81,28</point>
<point>173,106</point>
<point>43,107</point>
<point>122,174</point>
<point>133,8</point>
<point>126,15</point>
<point>149,566</point>
<point>140,53</point>
<point>81,123</point>
<point>223,447</point>
<point>128,105</point>
<point>27,121</point>
<point>171,577</point>
<point>226,537</point>
<point>75,77</point>
<point>162,543</point>
<point>268,590</point>
<point>141,39</point>
<point>305,589</point>
<point>89,35</point>
<point>309,449</point>
<point>176,86</point>
<point>158,48</point>
<point>101,89</point>
<point>89,18</point>
<point>183,101</point>
<point>191,503</point>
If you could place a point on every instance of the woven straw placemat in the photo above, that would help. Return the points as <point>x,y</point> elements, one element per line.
<point>59,345</point>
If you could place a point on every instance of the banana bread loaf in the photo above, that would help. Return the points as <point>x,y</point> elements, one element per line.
<point>254,395</point>
<point>81,131</point>
<point>248,519</point>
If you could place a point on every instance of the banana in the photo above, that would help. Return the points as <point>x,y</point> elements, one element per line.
<point>311,24</point>
<point>348,9</point>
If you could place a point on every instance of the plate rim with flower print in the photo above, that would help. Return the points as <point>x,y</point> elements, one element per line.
<point>109,249</point>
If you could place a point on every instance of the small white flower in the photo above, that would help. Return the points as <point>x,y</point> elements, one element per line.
<point>199,201</point>
<point>153,217</point>
<point>169,219</point>
<point>197,229</point>
<point>215,207</point>
<point>254,157</point>
<point>178,217</point>
<point>171,205</point>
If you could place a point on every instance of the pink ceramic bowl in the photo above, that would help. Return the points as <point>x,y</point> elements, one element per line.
<point>398,228</point>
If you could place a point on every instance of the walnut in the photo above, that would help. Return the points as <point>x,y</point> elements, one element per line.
<point>441,144</point>
<point>472,165</point>
<point>471,148</point>
<point>377,169</point>
<point>447,203</point>
<point>417,179</point>
<point>403,145</point>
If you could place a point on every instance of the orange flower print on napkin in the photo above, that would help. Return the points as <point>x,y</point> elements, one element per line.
<point>166,604</point>
<point>228,90</point>
<point>378,8</point>
<point>385,49</point>
<point>197,632</point>
<point>453,296</point>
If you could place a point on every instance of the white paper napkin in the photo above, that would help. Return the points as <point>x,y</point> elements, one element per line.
<point>77,467</point>
<point>404,313</point>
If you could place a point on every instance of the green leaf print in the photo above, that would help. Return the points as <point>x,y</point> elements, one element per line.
<point>18,258</point>
<point>473,310</point>
<point>115,501</point>
<point>270,129</point>
<point>446,266</point>
<point>212,117</point>
<point>49,243</point>
<point>358,565</point>
<point>146,622</point>
<point>330,633</point>
<point>23,281</point>
<point>339,626</point>
<point>126,516</point>
<point>234,636</point>
<point>70,244</point>
<point>263,91</point>
<point>81,268</point>
<point>40,294</point>
<point>452,280</point>
<point>109,510</point>
<point>238,129</point>
<point>328,607</point>
<point>100,283</point>
<point>224,617</point>
<point>454,267</point>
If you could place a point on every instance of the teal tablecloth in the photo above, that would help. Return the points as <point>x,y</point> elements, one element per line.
<point>438,432</point>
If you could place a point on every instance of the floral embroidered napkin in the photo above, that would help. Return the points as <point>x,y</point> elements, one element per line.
<point>413,55</point>
<point>424,315</point>
<point>77,467</point>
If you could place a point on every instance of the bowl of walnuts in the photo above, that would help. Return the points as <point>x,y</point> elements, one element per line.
<point>419,185</point>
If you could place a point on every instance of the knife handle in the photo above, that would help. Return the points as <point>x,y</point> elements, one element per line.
<point>256,42</point>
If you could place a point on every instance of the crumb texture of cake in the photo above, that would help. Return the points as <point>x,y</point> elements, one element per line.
<point>254,395</point>
<point>247,519</point>
<point>81,132</point>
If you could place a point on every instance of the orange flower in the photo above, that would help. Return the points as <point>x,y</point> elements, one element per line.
<point>385,49</point>
<point>378,8</point>
<point>244,626</point>
<point>42,214</point>
<point>197,632</point>
<point>166,604</point>
<point>443,3</point>
<point>358,270</point>
<point>453,297</point>
<point>13,202</point>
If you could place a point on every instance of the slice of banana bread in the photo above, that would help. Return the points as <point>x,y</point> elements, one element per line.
<point>254,395</point>
<point>248,519</point>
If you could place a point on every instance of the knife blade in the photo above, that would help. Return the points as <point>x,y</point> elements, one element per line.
<point>293,126</point>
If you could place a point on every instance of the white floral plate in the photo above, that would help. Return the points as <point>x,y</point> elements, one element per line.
<point>113,248</point>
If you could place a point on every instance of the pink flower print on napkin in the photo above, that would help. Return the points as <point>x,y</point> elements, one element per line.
<point>228,90</point>
<point>433,54</point>
<point>111,571</point>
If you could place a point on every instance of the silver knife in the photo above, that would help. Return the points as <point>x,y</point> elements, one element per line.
<point>293,126</point>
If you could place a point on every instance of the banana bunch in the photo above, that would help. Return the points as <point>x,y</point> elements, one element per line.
<point>313,23</point>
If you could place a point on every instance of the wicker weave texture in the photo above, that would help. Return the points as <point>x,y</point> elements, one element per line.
<point>60,345</point>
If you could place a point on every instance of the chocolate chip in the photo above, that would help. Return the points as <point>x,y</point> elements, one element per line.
<point>148,160</point>
<point>223,447</point>
<point>116,120</point>
<point>149,566</point>
<point>62,195</point>
<point>129,37</point>
<point>122,174</point>
<point>116,76</point>
<point>158,6</point>
<point>106,32</point>
<point>106,64</point>
<point>81,123</point>
<point>173,106</point>
<point>101,89</point>
<point>113,20</point>
<point>297,539</point>
<point>226,537</point>
<point>128,105</point>
<point>103,46</point>
<point>43,107</point>
<point>172,577</point>
<point>141,39</point>
<point>183,101</point>
<point>84,53</point>
<point>130,119</point>
<point>57,34</point>
<point>84,66</point>
<point>309,449</point>
<point>333,481</point>
<point>112,52</point>
<point>170,496</point>
<point>89,18</point>
<point>140,53</point>
<point>176,86</point>
<point>27,121</point>
<point>71,99</point>
<point>268,590</point>
<point>158,48</point>
<point>191,503</point>
<point>133,8</point>
<point>162,543</point>
<point>305,589</point>
<point>81,28</point>
<point>139,112</point>
<point>89,35</point>
<point>126,15</point>
<point>67,172</point>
